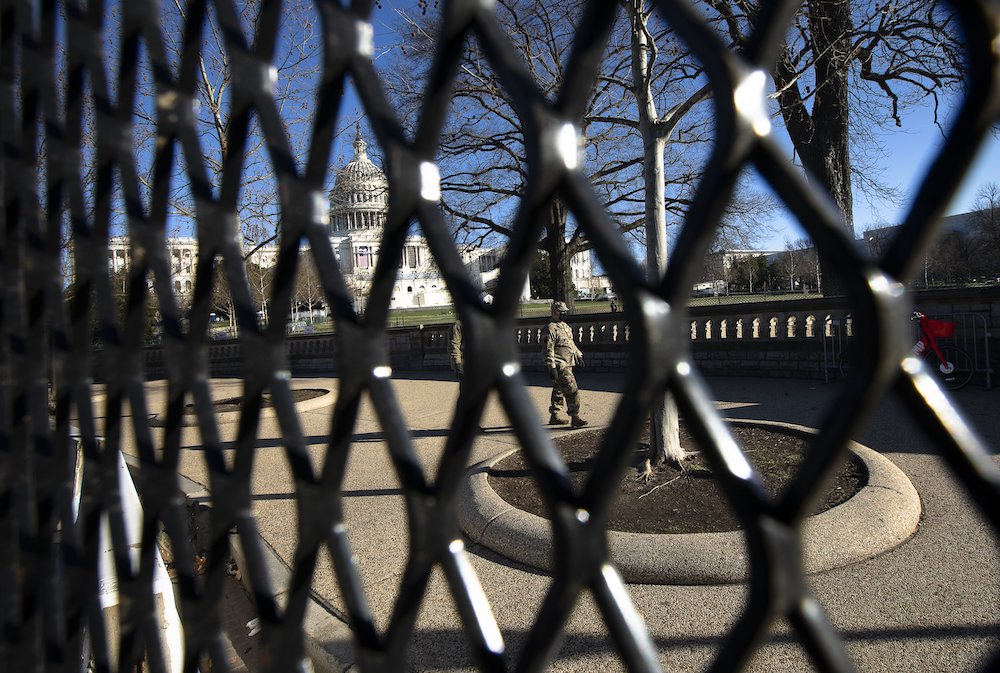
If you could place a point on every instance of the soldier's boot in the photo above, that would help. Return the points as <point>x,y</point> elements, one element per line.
<point>577,422</point>
<point>556,419</point>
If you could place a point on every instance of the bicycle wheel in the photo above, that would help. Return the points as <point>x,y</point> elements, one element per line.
<point>957,369</point>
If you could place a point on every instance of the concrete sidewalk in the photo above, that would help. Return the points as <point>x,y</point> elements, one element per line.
<point>929,605</point>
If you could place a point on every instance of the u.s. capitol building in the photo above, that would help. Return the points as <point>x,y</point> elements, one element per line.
<point>358,207</point>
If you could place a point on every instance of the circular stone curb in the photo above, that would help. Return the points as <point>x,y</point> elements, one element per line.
<point>325,400</point>
<point>881,516</point>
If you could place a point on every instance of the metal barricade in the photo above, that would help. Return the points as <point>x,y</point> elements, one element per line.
<point>69,72</point>
<point>972,334</point>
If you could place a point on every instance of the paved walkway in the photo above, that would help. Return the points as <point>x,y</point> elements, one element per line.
<point>929,605</point>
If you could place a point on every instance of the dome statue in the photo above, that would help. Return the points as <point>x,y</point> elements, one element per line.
<point>360,197</point>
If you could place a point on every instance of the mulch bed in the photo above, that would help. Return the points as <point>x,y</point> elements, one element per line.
<point>674,500</point>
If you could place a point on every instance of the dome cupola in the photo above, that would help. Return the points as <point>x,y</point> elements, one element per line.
<point>360,197</point>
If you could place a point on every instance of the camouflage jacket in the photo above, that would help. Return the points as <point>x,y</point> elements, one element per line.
<point>456,345</point>
<point>559,346</point>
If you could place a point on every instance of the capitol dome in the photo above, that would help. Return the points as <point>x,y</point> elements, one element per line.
<point>360,197</point>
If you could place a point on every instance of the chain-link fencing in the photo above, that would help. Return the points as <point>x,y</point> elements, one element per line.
<point>67,110</point>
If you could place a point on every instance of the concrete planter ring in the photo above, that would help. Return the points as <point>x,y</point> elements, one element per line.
<point>881,516</point>
<point>320,399</point>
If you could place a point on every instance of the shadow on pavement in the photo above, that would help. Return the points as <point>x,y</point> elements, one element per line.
<point>447,647</point>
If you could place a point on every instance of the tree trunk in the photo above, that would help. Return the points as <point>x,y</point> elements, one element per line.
<point>665,444</point>
<point>664,431</point>
<point>822,138</point>
<point>560,268</point>
<point>828,155</point>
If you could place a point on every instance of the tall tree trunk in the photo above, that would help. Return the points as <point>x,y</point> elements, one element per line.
<point>664,431</point>
<point>828,155</point>
<point>665,444</point>
<point>560,255</point>
<point>822,138</point>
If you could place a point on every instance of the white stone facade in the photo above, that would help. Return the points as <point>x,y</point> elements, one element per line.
<point>582,273</point>
<point>360,198</point>
<point>182,252</point>
<point>359,204</point>
<point>358,207</point>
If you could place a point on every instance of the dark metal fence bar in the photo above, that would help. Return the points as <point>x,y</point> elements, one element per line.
<point>69,77</point>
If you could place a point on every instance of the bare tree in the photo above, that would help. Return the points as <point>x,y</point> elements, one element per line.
<point>222,298</point>
<point>296,70</point>
<point>986,223</point>
<point>656,128</point>
<point>791,266</point>
<point>261,277</point>
<point>308,290</point>
<point>645,135</point>
<point>296,67</point>
<point>848,56</point>
<point>848,67</point>
<point>799,264</point>
<point>482,156</point>
<point>955,258</point>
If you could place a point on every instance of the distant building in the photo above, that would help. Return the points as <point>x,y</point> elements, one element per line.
<point>359,205</point>
<point>719,265</point>
<point>731,257</point>
<point>182,252</point>
<point>600,284</point>
<point>582,273</point>
<point>966,249</point>
<point>876,239</point>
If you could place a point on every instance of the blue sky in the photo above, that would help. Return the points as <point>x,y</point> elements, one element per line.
<point>911,152</point>
<point>908,153</point>
<point>905,154</point>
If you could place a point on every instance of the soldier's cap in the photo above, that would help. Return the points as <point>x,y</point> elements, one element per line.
<point>560,306</point>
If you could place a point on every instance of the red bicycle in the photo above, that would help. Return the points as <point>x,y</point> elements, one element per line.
<point>952,365</point>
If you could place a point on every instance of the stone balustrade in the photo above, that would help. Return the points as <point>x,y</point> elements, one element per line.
<point>796,339</point>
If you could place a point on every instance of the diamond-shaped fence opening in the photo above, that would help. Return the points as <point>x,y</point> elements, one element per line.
<point>82,578</point>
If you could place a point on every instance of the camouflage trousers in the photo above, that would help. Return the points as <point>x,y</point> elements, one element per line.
<point>565,391</point>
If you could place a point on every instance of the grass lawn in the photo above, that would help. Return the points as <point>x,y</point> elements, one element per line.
<point>538,308</point>
<point>408,317</point>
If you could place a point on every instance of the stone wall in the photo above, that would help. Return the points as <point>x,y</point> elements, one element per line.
<point>792,339</point>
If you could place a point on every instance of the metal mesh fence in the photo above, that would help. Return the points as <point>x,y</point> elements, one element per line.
<point>59,83</point>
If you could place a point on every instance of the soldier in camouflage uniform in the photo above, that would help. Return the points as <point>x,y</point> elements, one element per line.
<point>561,355</point>
<point>457,357</point>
